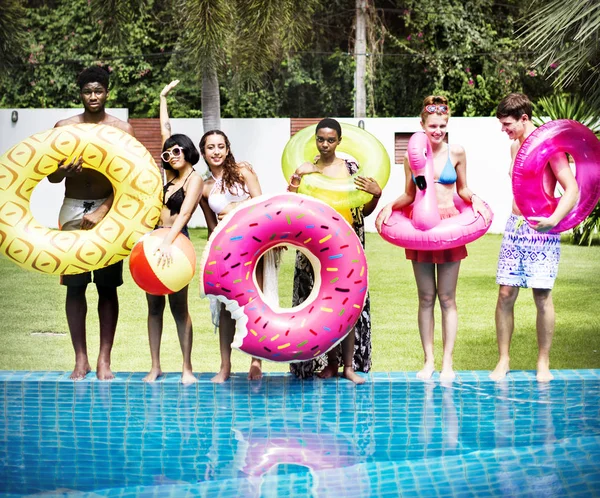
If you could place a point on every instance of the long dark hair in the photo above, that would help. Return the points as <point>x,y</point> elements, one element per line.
<point>231,172</point>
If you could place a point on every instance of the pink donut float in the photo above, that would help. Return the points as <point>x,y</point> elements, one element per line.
<point>560,136</point>
<point>419,226</point>
<point>339,264</point>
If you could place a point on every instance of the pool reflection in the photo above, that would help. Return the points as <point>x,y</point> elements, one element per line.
<point>284,436</point>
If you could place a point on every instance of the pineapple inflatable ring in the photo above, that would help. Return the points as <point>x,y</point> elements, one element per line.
<point>135,211</point>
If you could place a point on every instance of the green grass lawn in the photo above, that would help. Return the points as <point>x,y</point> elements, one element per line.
<point>34,330</point>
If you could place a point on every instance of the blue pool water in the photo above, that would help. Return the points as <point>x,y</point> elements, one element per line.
<point>393,436</point>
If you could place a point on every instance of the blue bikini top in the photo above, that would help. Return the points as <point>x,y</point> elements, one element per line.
<point>448,175</point>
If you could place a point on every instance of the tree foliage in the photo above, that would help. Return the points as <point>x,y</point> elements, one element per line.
<point>271,57</point>
<point>566,39</point>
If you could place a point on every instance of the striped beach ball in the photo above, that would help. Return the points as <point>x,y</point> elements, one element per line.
<point>158,279</point>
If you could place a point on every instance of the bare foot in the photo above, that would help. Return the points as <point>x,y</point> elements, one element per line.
<point>447,374</point>
<point>80,370</point>
<point>351,375</point>
<point>543,371</point>
<point>502,368</point>
<point>103,371</point>
<point>188,377</point>
<point>329,371</point>
<point>154,374</point>
<point>255,372</point>
<point>222,376</point>
<point>426,372</point>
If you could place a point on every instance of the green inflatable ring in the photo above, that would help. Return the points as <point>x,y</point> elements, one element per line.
<point>340,193</point>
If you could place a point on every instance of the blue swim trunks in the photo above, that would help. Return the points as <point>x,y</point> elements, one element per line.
<point>527,258</point>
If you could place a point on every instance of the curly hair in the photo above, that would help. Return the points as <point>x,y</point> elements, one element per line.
<point>232,178</point>
<point>93,74</point>
<point>332,124</point>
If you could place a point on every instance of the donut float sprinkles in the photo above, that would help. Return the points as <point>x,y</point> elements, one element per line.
<point>227,271</point>
<point>114,153</point>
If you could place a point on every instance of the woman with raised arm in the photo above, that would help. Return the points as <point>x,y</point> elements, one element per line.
<point>182,192</point>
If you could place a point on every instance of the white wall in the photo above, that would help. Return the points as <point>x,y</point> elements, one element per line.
<point>261,142</point>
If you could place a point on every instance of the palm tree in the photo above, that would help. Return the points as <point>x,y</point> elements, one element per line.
<point>12,31</point>
<point>249,34</point>
<point>566,37</point>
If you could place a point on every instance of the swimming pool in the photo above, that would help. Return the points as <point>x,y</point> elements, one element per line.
<point>393,436</point>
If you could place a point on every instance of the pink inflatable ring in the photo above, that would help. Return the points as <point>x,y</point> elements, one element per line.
<point>419,226</point>
<point>227,271</point>
<point>560,136</point>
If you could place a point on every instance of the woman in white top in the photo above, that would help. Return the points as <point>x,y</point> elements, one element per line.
<point>229,184</point>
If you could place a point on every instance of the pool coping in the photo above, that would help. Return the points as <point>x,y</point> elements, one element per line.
<point>465,376</point>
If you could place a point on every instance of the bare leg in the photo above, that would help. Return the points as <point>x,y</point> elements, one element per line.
<point>505,324</point>
<point>348,356</point>
<point>226,332</point>
<point>425,278</point>
<point>108,313</point>
<point>331,370</point>
<point>447,280</point>
<point>179,308</point>
<point>156,308</point>
<point>255,372</point>
<point>545,332</point>
<point>76,310</point>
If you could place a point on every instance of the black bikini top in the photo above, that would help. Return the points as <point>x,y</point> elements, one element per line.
<point>175,201</point>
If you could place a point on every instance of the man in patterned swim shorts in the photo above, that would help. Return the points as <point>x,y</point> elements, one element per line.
<point>529,256</point>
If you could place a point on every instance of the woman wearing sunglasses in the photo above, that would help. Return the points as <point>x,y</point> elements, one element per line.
<point>436,272</point>
<point>182,191</point>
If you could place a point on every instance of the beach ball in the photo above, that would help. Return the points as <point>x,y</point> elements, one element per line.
<point>158,279</point>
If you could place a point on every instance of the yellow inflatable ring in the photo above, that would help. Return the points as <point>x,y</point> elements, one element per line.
<point>340,193</point>
<point>117,155</point>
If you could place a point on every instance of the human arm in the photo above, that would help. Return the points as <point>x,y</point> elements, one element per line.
<point>90,220</point>
<point>369,185</point>
<point>304,169</point>
<point>209,215</point>
<point>165,123</point>
<point>462,189</point>
<point>407,198</point>
<point>70,169</point>
<point>193,193</point>
<point>561,170</point>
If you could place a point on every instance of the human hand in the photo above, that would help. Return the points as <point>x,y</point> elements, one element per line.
<point>164,254</point>
<point>227,209</point>
<point>90,220</point>
<point>369,185</point>
<point>543,224</point>
<point>383,217</point>
<point>165,91</point>
<point>306,169</point>
<point>480,207</point>
<point>72,168</point>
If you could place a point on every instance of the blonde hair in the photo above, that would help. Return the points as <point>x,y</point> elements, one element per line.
<point>434,100</point>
